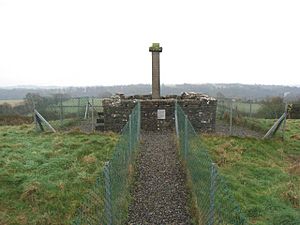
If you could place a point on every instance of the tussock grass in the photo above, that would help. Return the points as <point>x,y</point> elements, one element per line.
<point>44,176</point>
<point>12,102</point>
<point>15,120</point>
<point>263,174</point>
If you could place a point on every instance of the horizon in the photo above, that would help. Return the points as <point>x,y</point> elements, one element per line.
<point>232,90</point>
<point>163,84</point>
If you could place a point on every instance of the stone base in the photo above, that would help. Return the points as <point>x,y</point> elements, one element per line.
<point>159,114</point>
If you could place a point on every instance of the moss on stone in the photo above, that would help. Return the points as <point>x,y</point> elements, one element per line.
<point>155,48</point>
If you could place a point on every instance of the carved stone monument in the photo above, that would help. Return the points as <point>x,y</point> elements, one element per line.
<point>158,112</point>
<point>156,50</point>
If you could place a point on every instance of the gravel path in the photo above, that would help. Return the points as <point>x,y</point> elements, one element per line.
<point>159,195</point>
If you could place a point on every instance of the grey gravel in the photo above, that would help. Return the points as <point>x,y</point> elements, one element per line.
<point>159,195</point>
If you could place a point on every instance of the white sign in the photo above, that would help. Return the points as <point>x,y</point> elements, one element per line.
<point>161,114</point>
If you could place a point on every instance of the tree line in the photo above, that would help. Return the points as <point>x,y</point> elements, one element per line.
<point>241,91</point>
<point>271,107</point>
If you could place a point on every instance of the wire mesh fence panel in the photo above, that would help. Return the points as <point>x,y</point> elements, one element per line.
<point>107,202</point>
<point>240,118</point>
<point>64,112</point>
<point>92,207</point>
<point>215,202</point>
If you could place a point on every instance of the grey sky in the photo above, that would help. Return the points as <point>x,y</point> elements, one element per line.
<point>70,42</point>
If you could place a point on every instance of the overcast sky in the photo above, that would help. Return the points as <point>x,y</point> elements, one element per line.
<point>71,42</point>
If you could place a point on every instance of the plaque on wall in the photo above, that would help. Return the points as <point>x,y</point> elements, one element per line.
<point>161,114</point>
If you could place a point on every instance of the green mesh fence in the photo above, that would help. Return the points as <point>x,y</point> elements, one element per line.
<point>107,202</point>
<point>63,112</point>
<point>251,109</point>
<point>238,118</point>
<point>214,201</point>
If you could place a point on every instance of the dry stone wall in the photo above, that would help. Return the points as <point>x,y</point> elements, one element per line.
<point>202,114</point>
<point>116,113</point>
<point>159,114</point>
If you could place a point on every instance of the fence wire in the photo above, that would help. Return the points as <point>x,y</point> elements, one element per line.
<point>107,202</point>
<point>250,118</point>
<point>251,109</point>
<point>214,201</point>
<point>63,112</point>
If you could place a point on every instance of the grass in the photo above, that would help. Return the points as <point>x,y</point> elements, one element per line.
<point>66,124</point>
<point>44,176</point>
<point>74,108</point>
<point>14,120</point>
<point>82,102</point>
<point>263,174</point>
<point>245,107</point>
<point>12,102</point>
<point>264,125</point>
<point>261,125</point>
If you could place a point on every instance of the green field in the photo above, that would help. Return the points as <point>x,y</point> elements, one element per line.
<point>243,107</point>
<point>263,125</point>
<point>44,176</point>
<point>263,174</point>
<point>12,102</point>
<point>75,107</point>
<point>82,102</point>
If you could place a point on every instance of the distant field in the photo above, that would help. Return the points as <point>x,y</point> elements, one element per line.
<point>245,107</point>
<point>263,174</point>
<point>71,106</point>
<point>43,176</point>
<point>12,102</point>
<point>82,102</point>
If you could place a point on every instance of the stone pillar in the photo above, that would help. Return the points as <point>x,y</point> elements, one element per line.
<point>156,50</point>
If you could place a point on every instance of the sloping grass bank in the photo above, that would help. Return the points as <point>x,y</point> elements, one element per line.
<point>263,174</point>
<point>44,176</point>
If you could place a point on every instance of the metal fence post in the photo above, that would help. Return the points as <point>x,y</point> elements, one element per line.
<point>185,136</point>
<point>61,112</point>
<point>93,127</point>
<point>176,119</point>
<point>284,122</point>
<point>250,109</point>
<point>78,108</point>
<point>230,122</point>
<point>212,191</point>
<point>130,133</point>
<point>34,116</point>
<point>139,120</point>
<point>107,200</point>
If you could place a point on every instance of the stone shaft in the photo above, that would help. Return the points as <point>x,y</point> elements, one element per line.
<point>155,75</point>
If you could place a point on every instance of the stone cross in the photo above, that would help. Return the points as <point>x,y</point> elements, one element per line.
<point>156,50</point>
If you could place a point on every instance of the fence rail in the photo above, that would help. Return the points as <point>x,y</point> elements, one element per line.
<point>214,200</point>
<point>107,202</point>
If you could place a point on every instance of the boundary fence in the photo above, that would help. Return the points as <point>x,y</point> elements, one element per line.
<point>107,202</point>
<point>238,118</point>
<point>250,108</point>
<point>214,201</point>
<point>63,111</point>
